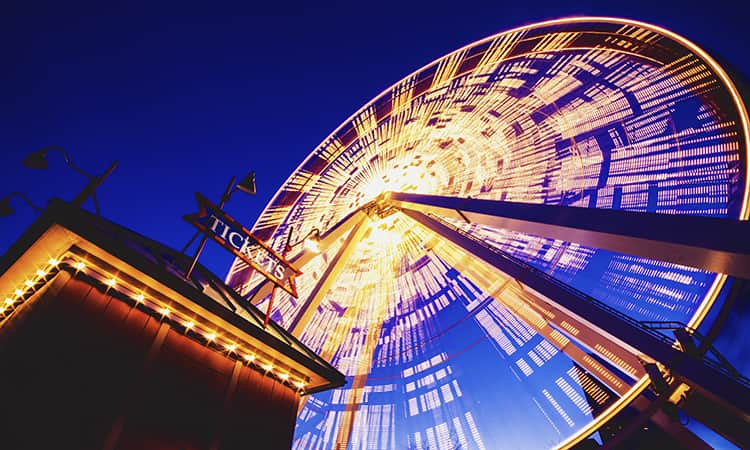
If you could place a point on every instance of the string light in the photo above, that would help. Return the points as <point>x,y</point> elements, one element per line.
<point>140,298</point>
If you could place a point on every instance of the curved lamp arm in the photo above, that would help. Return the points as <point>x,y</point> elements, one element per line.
<point>314,231</point>
<point>6,209</point>
<point>38,160</point>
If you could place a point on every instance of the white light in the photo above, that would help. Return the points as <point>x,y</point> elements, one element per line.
<point>28,283</point>
<point>79,265</point>
<point>18,292</point>
<point>41,273</point>
<point>189,324</point>
<point>231,347</point>
<point>249,358</point>
<point>284,376</point>
<point>312,245</point>
<point>267,367</point>
<point>139,298</point>
<point>111,282</point>
<point>210,336</point>
<point>53,262</point>
<point>164,311</point>
<point>9,301</point>
<point>299,384</point>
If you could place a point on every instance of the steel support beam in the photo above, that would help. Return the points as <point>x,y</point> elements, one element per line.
<point>300,259</point>
<point>513,296</point>
<point>622,356</point>
<point>335,266</point>
<point>714,244</point>
<point>712,383</point>
<point>538,314</point>
<point>626,357</point>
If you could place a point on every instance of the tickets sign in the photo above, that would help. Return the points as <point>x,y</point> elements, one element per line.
<point>231,235</point>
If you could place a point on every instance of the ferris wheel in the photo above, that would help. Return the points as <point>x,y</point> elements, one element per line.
<point>517,242</point>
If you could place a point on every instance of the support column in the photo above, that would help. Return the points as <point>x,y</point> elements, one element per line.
<point>537,312</point>
<point>300,259</point>
<point>709,243</point>
<point>511,294</point>
<point>328,277</point>
<point>714,384</point>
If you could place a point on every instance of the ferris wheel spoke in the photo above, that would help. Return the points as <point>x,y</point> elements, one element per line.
<point>709,243</point>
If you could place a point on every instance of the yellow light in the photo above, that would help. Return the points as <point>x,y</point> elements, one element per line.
<point>267,367</point>
<point>41,273</point>
<point>299,384</point>
<point>312,245</point>
<point>189,324</point>
<point>249,358</point>
<point>111,282</point>
<point>284,376</point>
<point>164,311</point>
<point>210,336</point>
<point>79,265</point>
<point>28,283</point>
<point>139,298</point>
<point>9,301</point>
<point>231,347</point>
<point>18,292</point>
<point>2,309</point>
<point>53,262</point>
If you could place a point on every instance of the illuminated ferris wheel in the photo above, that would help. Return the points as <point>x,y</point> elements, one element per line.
<point>512,239</point>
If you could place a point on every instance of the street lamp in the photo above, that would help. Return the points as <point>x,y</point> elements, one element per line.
<point>38,160</point>
<point>6,209</point>
<point>247,185</point>
<point>310,241</point>
<point>310,244</point>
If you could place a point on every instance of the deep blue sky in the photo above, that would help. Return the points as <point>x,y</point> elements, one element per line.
<point>185,96</point>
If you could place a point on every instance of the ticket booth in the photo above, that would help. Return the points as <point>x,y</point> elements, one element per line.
<point>104,344</point>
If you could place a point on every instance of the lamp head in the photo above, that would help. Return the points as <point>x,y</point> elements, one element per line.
<point>36,160</point>
<point>5,208</point>
<point>313,240</point>
<point>247,185</point>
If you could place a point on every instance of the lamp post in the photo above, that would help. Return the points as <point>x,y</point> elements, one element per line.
<point>247,185</point>
<point>6,209</point>
<point>311,244</point>
<point>38,160</point>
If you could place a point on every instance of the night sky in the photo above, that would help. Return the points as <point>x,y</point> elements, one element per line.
<point>185,96</point>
